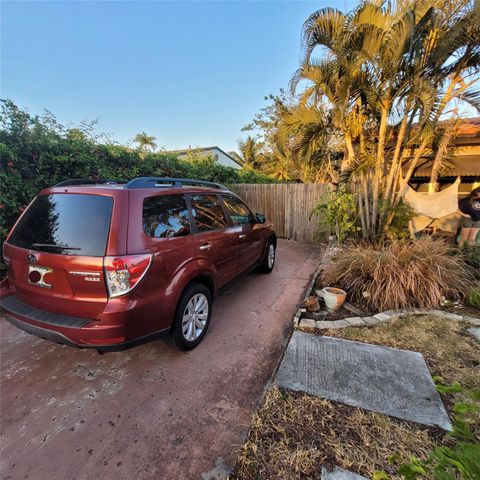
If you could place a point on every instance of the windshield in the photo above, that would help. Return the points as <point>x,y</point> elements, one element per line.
<point>67,224</point>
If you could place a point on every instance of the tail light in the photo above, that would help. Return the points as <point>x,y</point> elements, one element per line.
<point>124,273</point>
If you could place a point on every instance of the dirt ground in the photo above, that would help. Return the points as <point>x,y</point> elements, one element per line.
<point>150,412</point>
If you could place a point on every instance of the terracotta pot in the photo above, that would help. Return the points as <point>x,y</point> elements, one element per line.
<point>334,297</point>
<point>312,304</point>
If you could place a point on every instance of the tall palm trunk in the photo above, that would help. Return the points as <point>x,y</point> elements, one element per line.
<point>404,181</point>
<point>439,156</point>
<point>347,160</point>
<point>361,211</point>
<point>366,197</point>
<point>449,94</point>
<point>378,168</point>
<point>398,173</point>
<point>396,153</point>
<point>364,186</point>
<point>390,181</point>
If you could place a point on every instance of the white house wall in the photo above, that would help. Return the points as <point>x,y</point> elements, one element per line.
<point>221,158</point>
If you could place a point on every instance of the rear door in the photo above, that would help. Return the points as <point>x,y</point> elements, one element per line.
<point>250,234</point>
<point>164,229</point>
<point>55,253</point>
<point>216,240</point>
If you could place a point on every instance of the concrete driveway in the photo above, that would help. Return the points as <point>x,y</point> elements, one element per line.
<point>151,412</point>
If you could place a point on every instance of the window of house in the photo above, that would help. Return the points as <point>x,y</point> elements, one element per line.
<point>208,213</point>
<point>166,216</point>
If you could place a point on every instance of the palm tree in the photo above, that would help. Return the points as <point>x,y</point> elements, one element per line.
<point>305,136</point>
<point>450,62</point>
<point>145,141</point>
<point>388,65</point>
<point>250,152</point>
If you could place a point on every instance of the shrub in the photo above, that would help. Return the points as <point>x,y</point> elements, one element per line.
<point>400,216</point>
<point>402,274</point>
<point>338,211</point>
<point>472,297</point>
<point>471,255</point>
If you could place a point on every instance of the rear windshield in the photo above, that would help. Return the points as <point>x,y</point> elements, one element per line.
<point>68,224</point>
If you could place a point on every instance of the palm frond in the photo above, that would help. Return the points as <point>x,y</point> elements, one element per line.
<point>324,27</point>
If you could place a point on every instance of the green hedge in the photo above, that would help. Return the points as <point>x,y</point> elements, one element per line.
<point>37,151</point>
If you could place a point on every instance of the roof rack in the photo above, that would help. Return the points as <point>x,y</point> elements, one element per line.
<point>146,182</point>
<point>86,181</point>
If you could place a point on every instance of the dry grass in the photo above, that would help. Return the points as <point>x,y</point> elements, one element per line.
<point>400,275</point>
<point>294,434</point>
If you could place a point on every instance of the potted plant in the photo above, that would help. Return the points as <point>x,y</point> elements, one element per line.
<point>334,298</point>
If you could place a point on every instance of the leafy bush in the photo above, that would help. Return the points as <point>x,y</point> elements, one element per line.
<point>473,296</point>
<point>400,216</point>
<point>338,211</point>
<point>402,274</point>
<point>37,151</point>
<point>471,255</point>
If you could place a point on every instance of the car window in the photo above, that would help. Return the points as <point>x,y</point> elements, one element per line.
<point>238,211</point>
<point>208,213</point>
<point>66,224</point>
<point>166,216</point>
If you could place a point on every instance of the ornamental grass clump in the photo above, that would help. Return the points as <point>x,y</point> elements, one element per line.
<point>400,275</point>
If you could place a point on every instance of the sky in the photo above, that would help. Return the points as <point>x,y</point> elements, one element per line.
<point>189,73</point>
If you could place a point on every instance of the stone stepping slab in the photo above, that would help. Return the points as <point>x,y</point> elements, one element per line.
<point>475,331</point>
<point>380,379</point>
<point>340,474</point>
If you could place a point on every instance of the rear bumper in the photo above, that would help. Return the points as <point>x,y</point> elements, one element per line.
<point>74,331</point>
<point>41,332</point>
<point>16,307</point>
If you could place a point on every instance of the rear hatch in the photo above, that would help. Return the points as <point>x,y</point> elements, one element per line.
<point>55,253</point>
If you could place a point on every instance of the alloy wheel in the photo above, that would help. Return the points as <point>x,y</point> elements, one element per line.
<point>271,255</point>
<point>195,317</point>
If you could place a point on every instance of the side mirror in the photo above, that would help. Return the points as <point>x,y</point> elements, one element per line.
<point>260,217</point>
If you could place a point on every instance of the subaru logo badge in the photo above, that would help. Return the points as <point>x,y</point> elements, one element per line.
<point>31,258</point>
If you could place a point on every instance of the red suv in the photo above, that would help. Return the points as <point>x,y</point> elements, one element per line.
<point>107,265</point>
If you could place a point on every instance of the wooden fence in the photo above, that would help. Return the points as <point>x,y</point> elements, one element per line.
<point>288,206</point>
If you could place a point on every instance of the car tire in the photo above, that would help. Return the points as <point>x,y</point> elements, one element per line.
<point>192,317</point>
<point>269,259</point>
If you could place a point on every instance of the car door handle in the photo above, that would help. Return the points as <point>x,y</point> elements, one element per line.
<point>205,246</point>
<point>242,236</point>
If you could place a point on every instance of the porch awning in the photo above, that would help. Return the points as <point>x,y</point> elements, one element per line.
<point>463,166</point>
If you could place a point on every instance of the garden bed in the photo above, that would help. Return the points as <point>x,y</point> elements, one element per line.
<point>317,322</point>
<point>356,311</point>
<point>294,434</point>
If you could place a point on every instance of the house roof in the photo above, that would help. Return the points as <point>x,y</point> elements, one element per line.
<point>186,151</point>
<point>468,132</point>
<point>236,156</point>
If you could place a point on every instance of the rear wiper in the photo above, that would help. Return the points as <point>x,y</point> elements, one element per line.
<point>52,245</point>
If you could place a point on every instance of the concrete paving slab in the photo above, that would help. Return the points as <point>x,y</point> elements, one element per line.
<point>381,379</point>
<point>475,331</point>
<point>340,474</point>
